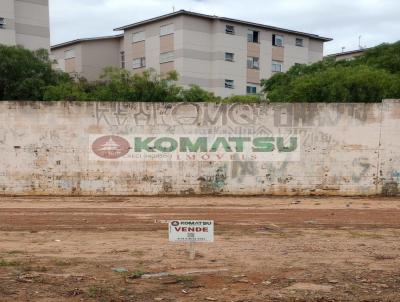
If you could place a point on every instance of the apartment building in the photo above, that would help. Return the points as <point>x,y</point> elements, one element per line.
<point>25,23</point>
<point>88,57</point>
<point>348,55</point>
<point>223,55</point>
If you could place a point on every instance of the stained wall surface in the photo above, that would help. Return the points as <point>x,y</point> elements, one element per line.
<point>345,149</point>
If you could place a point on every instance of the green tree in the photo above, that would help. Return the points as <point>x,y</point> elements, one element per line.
<point>385,56</point>
<point>196,94</point>
<point>368,78</point>
<point>117,84</point>
<point>25,73</point>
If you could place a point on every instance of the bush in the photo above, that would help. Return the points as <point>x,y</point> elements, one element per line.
<point>251,98</point>
<point>368,78</point>
<point>25,73</point>
<point>197,94</point>
<point>118,84</point>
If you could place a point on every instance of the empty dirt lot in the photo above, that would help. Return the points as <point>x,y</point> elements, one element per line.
<point>266,249</point>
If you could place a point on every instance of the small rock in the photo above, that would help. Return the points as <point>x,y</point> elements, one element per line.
<point>158,299</point>
<point>185,291</point>
<point>238,276</point>
<point>333,281</point>
<point>267,282</point>
<point>211,299</point>
<point>242,281</point>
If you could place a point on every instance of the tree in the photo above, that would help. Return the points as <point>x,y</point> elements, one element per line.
<point>368,78</point>
<point>25,73</point>
<point>196,94</point>
<point>117,84</point>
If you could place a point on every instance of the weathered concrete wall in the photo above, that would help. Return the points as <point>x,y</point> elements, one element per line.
<point>345,149</point>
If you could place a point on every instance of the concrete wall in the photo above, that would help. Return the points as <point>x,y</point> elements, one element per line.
<point>345,149</point>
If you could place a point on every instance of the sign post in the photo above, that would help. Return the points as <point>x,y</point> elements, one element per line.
<point>191,231</point>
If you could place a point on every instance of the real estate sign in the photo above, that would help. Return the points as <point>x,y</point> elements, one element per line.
<point>207,148</point>
<point>191,230</point>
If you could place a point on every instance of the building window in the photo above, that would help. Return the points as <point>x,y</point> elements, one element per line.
<point>139,63</point>
<point>122,53</point>
<point>229,84</point>
<point>69,54</point>
<point>230,29</point>
<point>253,63</point>
<point>277,66</point>
<point>2,22</point>
<point>251,89</point>
<point>166,29</point>
<point>138,37</point>
<point>277,40</point>
<point>167,57</point>
<point>299,42</point>
<point>230,57</point>
<point>253,36</point>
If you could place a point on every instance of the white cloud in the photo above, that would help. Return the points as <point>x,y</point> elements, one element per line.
<point>343,20</point>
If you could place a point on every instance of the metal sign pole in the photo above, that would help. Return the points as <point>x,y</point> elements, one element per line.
<point>192,251</point>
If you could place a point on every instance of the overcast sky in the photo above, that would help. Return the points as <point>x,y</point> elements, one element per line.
<point>377,21</point>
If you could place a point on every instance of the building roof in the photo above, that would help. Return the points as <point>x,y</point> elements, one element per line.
<point>85,40</point>
<point>350,52</point>
<point>193,14</point>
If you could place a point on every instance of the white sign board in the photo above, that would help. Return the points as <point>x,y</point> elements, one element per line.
<point>191,230</point>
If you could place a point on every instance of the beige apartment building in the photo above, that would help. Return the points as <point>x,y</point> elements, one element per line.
<point>348,55</point>
<point>223,55</point>
<point>25,23</point>
<point>88,57</point>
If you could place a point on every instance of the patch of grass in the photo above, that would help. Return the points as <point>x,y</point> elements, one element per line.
<point>136,274</point>
<point>4,263</point>
<point>98,291</point>
<point>184,278</point>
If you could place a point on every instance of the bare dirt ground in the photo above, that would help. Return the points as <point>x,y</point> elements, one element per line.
<point>266,249</point>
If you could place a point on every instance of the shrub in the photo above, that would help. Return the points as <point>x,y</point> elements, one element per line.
<point>368,78</point>
<point>25,73</point>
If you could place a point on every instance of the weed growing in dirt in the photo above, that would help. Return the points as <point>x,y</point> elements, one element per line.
<point>184,278</point>
<point>98,291</point>
<point>136,274</point>
<point>4,263</point>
